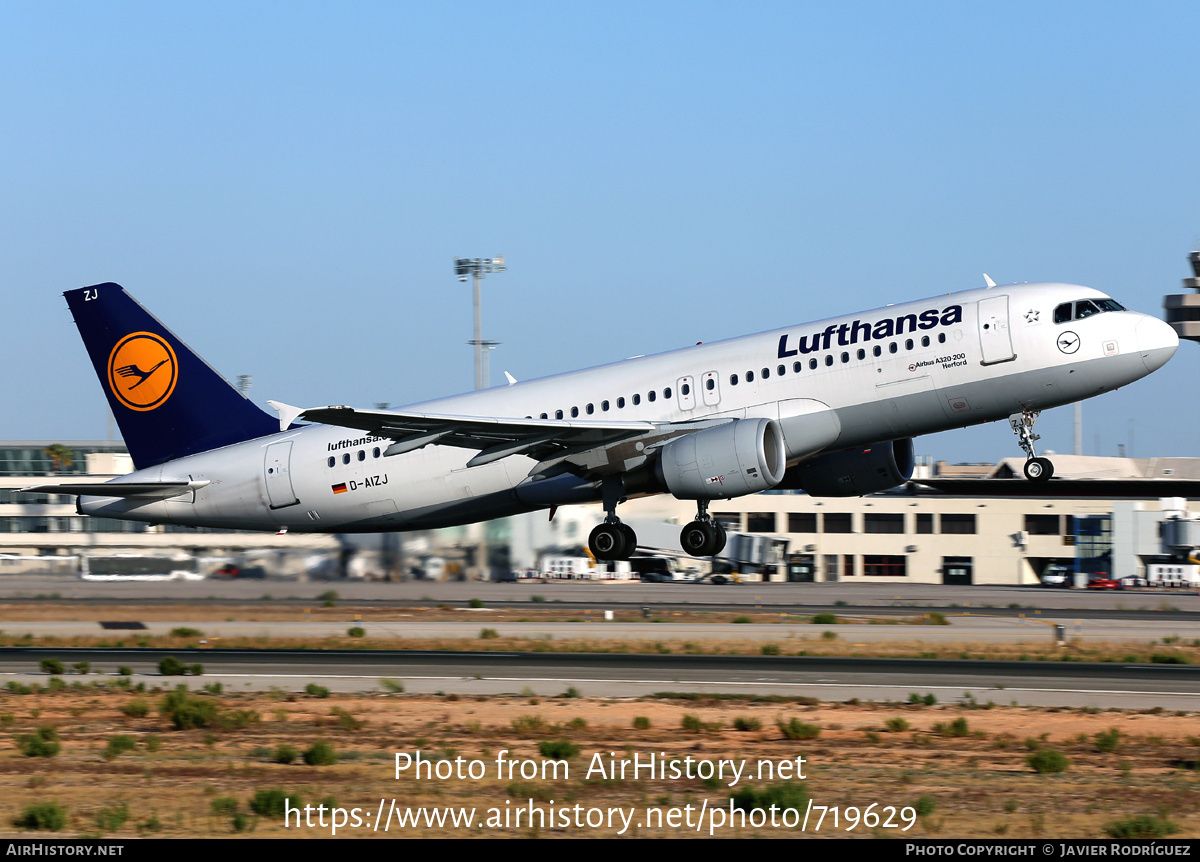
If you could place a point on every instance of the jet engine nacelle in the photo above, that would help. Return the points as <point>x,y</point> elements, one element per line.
<point>742,457</point>
<point>854,472</point>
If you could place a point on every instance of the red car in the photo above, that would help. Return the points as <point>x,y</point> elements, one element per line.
<point>1103,584</point>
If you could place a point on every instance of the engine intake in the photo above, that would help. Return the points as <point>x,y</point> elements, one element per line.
<point>854,472</point>
<point>742,457</point>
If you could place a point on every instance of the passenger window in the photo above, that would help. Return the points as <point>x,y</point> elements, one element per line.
<point>941,338</point>
<point>781,370</point>
<point>709,384</point>
<point>574,412</point>
<point>1063,313</point>
<point>685,390</point>
<point>590,409</point>
<point>908,344</point>
<point>558,414</point>
<point>604,406</point>
<point>362,455</point>
<point>667,392</point>
<point>637,399</point>
<point>749,376</point>
<point>829,359</point>
<point>924,340</point>
<point>892,347</point>
<point>375,452</point>
<point>876,350</point>
<point>652,396</point>
<point>812,364</point>
<point>621,403</point>
<point>862,354</point>
<point>544,416</point>
<point>346,458</point>
<point>733,378</point>
<point>796,366</point>
<point>766,372</point>
<point>845,357</point>
<point>331,461</point>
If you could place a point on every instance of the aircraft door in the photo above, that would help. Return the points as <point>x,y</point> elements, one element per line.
<point>710,388</point>
<point>277,475</point>
<point>995,338</point>
<point>685,387</point>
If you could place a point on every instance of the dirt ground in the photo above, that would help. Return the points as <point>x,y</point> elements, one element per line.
<point>946,771</point>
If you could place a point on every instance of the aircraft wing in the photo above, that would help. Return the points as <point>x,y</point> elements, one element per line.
<point>141,490</point>
<point>581,447</point>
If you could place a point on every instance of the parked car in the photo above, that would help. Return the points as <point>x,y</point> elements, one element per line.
<point>1057,576</point>
<point>1103,584</point>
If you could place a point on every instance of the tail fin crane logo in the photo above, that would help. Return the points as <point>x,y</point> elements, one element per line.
<point>142,371</point>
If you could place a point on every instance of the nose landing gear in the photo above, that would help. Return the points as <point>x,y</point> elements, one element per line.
<point>703,537</point>
<point>1036,469</point>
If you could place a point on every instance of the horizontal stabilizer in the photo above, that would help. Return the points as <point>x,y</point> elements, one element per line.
<point>141,490</point>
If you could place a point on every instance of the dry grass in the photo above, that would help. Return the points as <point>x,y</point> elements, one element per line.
<point>980,782</point>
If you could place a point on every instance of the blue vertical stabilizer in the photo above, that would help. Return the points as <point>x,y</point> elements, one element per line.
<point>167,401</point>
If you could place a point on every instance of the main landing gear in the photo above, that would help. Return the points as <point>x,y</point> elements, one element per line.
<point>612,540</point>
<point>1036,469</point>
<point>703,537</point>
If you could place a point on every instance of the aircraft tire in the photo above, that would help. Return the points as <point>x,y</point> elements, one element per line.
<point>698,538</point>
<point>630,541</point>
<point>721,539</point>
<point>607,542</point>
<point>1039,469</point>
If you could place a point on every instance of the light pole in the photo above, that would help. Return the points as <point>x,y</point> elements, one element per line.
<point>478,267</point>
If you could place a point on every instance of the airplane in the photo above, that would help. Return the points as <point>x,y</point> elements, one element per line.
<point>829,408</point>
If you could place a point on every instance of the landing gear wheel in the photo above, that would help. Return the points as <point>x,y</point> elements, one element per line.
<point>721,538</point>
<point>607,542</point>
<point>630,541</point>
<point>699,539</point>
<point>1039,469</point>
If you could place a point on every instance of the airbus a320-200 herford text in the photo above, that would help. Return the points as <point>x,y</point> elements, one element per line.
<point>829,408</point>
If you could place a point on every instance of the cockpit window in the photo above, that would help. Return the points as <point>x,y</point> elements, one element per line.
<point>1085,308</point>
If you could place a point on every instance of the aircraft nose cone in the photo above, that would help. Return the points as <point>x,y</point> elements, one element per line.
<point>1156,342</point>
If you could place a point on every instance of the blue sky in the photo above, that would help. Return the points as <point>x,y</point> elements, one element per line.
<point>286,184</point>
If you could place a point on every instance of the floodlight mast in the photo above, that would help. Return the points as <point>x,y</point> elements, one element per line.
<point>478,267</point>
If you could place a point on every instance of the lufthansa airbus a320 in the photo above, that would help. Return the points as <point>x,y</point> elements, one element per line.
<point>829,407</point>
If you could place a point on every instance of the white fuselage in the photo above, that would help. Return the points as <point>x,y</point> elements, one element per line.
<point>944,362</point>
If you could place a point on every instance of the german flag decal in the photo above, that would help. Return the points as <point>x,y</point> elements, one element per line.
<point>340,488</point>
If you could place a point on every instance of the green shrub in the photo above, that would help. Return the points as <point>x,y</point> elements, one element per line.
<point>285,754</point>
<point>824,619</point>
<point>84,667</point>
<point>214,688</point>
<point>1047,761</point>
<point>1108,741</point>
<point>47,817</point>
<point>392,685</point>
<point>51,666</point>
<point>898,724</point>
<point>356,632</point>
<point>641,722</point>
<point>488,634</point>
<point>1142,826</point>
<point>186,712</point>
<point>741,620</point>
<point>956,728</point>
<point>747,724</point>
<point>320,754</point>
<point>770,649</point>
<point>136,708</point>
<point>42,743</point>
<point>558,749</point>
<point>125,670</point>
<point>224,806</point>
<point>346,721</point>
<point>781,795</point>
<point>925,806</point>
<point>186,632</point>
<point>56,684</point>
<point>316,690</point>
<point>475,603</point>
<point>273,802</point>
<point>328,596</point>
<point>168,665</point>
<point>797,729</point>
<point>570,692</point>
<point>112,817</point>
<point>118,745</point>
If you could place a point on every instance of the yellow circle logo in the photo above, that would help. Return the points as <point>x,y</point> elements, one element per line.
<point>142,371</point>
